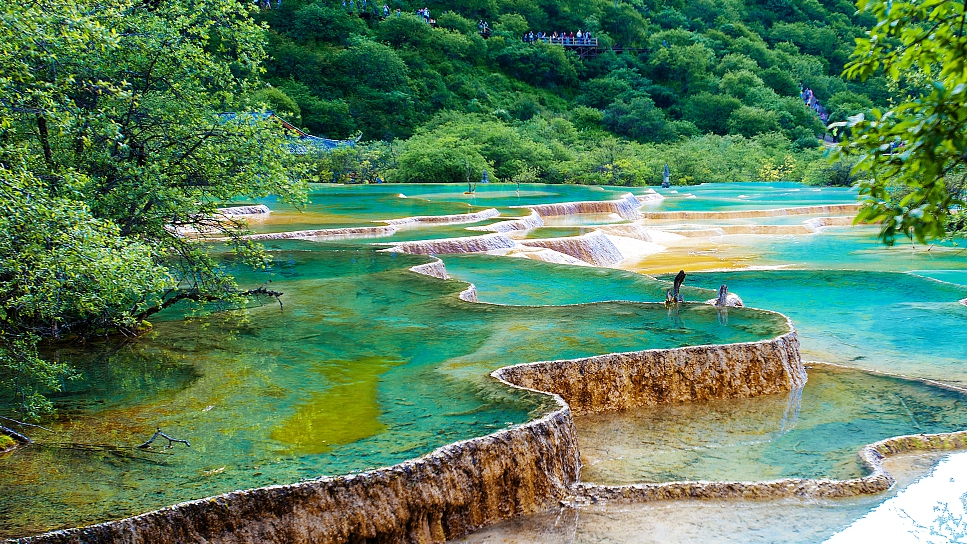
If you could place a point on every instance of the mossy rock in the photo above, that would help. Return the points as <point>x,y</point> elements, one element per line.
<point>6,443</point>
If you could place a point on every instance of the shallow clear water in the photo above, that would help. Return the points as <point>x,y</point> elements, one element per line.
<point>888,321</point>
<point>503,280</point>
<point>750,196</point>
<point>851,248</point>
<point>336,206</point>
<point>787,521</point>
<point>368,365</point>
<point>812,433</point>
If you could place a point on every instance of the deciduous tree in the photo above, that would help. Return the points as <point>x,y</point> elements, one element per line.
<point>920,145</point>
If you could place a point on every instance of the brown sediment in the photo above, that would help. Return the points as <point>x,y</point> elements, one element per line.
<point>444,219</point>
<point>450,492</point>
<point>740,214</point>
<point>619,381</point>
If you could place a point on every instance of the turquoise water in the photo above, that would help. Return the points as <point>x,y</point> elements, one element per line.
<point>854,248</point>
<point>336,206</point>
<point>887,321</point>
<point>367,365</point>
<point>812,433</point>
<point>750,196</point>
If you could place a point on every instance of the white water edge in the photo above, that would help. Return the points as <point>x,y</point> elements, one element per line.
<point>932,510</point>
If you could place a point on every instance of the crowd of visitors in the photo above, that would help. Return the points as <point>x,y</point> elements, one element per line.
<point>810,100</point>
<point>267,4</point>
<point>562,38</point>
<point>425,13</point>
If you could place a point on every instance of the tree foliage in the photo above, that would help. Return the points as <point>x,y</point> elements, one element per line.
<point>113,140</point>
<point>683,50</point>
<point>914,151</point>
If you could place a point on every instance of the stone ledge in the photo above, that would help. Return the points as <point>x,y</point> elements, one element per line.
<point>452,491</point>
<point>872,455</point>
<point>619,381</point>
<point>464,486</point>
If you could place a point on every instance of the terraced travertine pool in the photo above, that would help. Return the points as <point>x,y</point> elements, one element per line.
<point>370,364</point>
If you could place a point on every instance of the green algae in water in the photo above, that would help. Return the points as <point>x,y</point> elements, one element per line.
<point>812,433</point>
<point>368,365</point>
<point>345,413</point>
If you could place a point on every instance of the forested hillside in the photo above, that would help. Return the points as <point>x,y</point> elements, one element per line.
<point>711,86</point>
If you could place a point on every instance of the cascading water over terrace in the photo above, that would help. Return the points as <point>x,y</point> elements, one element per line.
<point>444,219</point>
<point>525,223</point>
<point>594,248</point>
<point>627,207</point>
<point>258,209</point>
<point>471,244</point>
<point>367,387</point>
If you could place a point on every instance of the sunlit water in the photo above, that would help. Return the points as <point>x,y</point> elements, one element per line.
<point>715,197</point>
<point>369,364</point>
<point>337,206</point>
<point>812,433</point>
<point>790,521</point>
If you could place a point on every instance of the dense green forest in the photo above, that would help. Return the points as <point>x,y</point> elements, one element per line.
<point>710,87</point>
<point>120,127</point>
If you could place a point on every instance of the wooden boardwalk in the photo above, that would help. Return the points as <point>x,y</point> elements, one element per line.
<point>586,48</point>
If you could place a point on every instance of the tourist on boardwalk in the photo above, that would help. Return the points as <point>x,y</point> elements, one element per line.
<point>559,38</point>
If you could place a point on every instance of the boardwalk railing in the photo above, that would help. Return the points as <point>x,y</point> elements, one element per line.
<point>567,42</point>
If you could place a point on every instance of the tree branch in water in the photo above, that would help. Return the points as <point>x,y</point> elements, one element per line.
<point>170,440</point>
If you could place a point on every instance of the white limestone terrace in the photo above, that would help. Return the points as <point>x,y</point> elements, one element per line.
<point>465,485</point>
<point>454,219</point>
<point>595,248</point>
<point>615,245</point>
<point>627,207</point>
<point>391,227</point>
<point>533,220</point>
<point>608,245</point>
<point>257,209</point>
